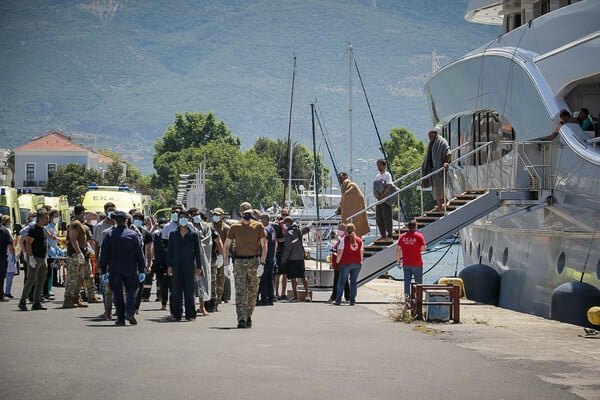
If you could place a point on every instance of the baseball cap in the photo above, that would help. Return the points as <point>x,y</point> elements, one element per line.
<point>78,209</point>
<point>122,215</point>
<point>218,211</point>
<point>245,207</point>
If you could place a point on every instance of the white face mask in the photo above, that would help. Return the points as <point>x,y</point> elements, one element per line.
<point>56,220</point>
<point>93,222</point>
<point>216,218</point>
<point>174,217</point>
<point>138,223</point>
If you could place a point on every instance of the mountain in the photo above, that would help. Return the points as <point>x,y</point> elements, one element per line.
<point>121,69</point>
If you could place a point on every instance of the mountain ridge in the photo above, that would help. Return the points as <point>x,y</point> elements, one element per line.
<point>122,69</point>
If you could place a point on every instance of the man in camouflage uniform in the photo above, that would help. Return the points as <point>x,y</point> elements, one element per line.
<point>77,258</point>
<point>250,249</point>
<point>216,267</point>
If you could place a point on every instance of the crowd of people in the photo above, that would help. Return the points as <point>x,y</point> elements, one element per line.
<point>119,255</point>
<point>191,258</point>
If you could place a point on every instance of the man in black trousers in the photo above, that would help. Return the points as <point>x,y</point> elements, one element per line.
<point>122,259</point>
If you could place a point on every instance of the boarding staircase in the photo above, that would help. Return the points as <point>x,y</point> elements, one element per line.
<point>530,190</point>
<point>464,209</point>
<point>524,180</point>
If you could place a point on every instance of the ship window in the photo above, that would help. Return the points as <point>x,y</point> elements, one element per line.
<point>479,250</point>
<point>505,256</point>
<point>598,270</point>
<point>490,254</point>
<point>470,248</point>
<point>560,264</point>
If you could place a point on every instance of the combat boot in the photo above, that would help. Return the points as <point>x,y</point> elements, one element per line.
<point>94,299</point>
<point>79,303</point>
<point>68,302</point>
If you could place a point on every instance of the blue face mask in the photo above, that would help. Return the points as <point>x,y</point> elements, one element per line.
<point>138,223</point>
<point>216,218</point>
<point>174,217</point>
<point>197,219</point>
<point>183,221</point>
<point>109,214</point>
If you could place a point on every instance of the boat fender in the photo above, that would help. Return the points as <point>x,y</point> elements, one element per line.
<point>481,283</point>
<point>593,315</point>
<point>571,301</point>
<point>455,282</point>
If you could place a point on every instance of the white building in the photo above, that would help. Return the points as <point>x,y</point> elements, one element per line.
<point>36,160</point>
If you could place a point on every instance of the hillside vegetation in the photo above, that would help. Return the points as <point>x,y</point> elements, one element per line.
<point>121,69</point>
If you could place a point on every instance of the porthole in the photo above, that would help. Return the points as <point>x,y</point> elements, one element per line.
<point>490,254</point>
<point>560,264</point>
<point>479,251</point>
<point>505,256</point>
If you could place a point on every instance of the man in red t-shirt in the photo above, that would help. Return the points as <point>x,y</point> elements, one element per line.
<point>410,246</point>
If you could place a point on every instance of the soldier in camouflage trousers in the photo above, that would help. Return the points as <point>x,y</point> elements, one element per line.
<point>250,248</point>
<point>77,257</point>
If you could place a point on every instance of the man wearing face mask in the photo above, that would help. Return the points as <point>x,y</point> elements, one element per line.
<point>172,225</point>
<point>91,219</point>
<point>222,228</point>
<point>122,259</point>
<point>146,284</point>
<point>206,234</point>
<point>99,233</point>
<point>250,249</point>
<point>54,219</point>
<point>184,263</point>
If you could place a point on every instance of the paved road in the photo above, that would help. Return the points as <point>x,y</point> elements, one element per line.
<point>294,351</point>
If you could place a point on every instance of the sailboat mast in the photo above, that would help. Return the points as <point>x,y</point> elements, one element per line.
<point>287,187</point>
<point>350,58</point>
<point>312,113</point>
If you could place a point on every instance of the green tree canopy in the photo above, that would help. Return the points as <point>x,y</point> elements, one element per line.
<point>190,130</point>
<point>302,161</point>
<point>72,180</point>
<point>193,130</point>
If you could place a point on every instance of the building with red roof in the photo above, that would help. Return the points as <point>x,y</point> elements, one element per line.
<point>36,160</point>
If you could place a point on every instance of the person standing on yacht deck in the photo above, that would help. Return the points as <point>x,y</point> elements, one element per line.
<point>382,185</point>
<point>438,156</point>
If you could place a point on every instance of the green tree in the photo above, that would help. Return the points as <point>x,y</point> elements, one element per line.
<point>190,130</point>
<point>113,175</point>
<point>405,153</point>
<point>302,162</point>
<point>72,180</point>
<point>193,130</point>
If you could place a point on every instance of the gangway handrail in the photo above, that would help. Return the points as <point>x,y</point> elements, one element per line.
<point>410,185</point>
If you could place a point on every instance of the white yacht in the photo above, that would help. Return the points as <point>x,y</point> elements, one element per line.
<point>537,250</point>
<point>524,188</point>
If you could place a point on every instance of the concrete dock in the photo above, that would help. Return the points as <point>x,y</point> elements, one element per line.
<point>295,350</point>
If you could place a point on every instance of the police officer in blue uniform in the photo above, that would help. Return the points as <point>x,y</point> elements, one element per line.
<point>122,258</point>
